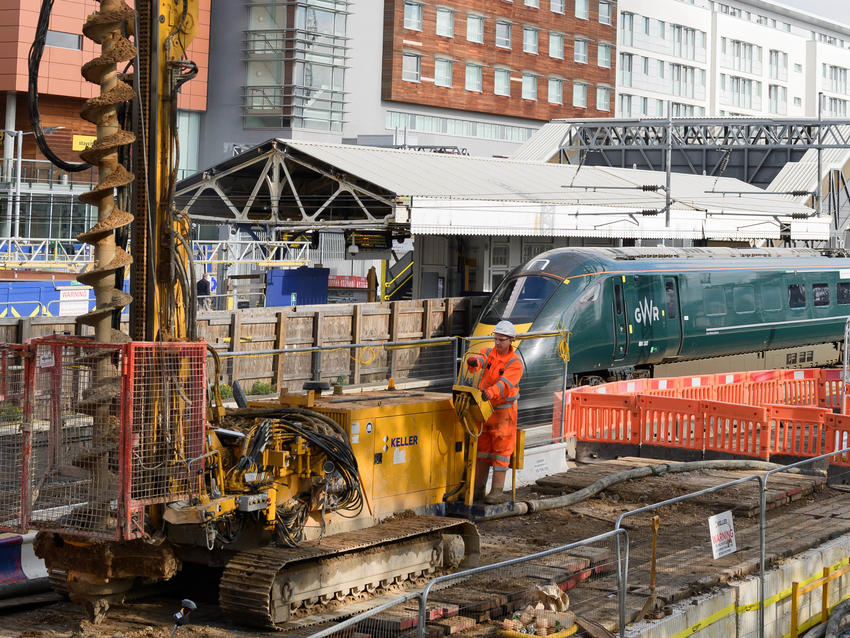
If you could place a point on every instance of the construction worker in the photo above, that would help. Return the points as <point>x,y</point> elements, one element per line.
<point>500,385</point>
<point>204,289</point>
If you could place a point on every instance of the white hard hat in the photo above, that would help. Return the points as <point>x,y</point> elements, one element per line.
<point>505,328</point>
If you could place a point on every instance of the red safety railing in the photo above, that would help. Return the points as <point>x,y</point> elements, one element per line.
<point>759,414</point>
<point>90,433</point>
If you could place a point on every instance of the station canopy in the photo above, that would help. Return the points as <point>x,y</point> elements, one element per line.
<point>306,185</point>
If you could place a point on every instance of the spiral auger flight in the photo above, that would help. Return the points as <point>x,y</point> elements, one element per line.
<point>107,28</point>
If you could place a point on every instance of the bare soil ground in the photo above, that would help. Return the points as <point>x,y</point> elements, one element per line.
<point>682,526</point>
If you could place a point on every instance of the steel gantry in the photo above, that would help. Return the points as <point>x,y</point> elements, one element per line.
<point>752,150</point>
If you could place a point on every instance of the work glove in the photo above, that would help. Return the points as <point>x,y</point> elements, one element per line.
<point>486,394</point>
<point>472,364</point>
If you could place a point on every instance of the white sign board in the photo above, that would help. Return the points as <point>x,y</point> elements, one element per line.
<point>74,300</point>
<point>722,530</point>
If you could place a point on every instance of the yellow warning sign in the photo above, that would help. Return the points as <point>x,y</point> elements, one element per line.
<point>82,142</point>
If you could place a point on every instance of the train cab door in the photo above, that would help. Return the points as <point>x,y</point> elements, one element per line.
<point>673,315</point>
<point>618,312</point>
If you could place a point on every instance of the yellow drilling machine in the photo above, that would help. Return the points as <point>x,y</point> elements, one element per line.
<point>116,451</point>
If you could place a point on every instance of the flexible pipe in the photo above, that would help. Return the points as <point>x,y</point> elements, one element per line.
<point>565,500</point>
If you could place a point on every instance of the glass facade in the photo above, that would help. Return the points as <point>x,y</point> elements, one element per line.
<point>295,55</point>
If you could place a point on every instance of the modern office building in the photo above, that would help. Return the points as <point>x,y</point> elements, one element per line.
<point>713,58</point>
<point>40,202</point>
<point>479,75</point>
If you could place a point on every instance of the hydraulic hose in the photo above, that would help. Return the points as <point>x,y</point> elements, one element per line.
<point>565,500</point>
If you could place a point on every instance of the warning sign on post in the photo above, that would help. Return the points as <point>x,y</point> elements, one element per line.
<point>722,530</point>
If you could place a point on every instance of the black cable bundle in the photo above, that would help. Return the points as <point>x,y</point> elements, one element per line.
<point>36,51</point>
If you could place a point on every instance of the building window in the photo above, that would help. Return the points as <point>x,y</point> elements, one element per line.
<point>443,72</point>
<point>529,86</point>
<point>502,82</point>
<point>603,98</point>
<point>532,3</point>
<point>626,60</point>
<point>62,40</point>
<point>445,22</point>
<point>798,68</point>
<point>778,65</point>
<point>777,98</point>
<point>625,105</point>
<point>582,11</point>
<point>419,123</point>
<point>411,67</point>
<point>557,6</point>
<point>556,91</point>
<point>605,13</point>
<point>530,39</point>
<point>798,101</point>
<point>603,55</point>
<point>556,45</point>
<point>503,35</point>
<point>413,16</point>
<point>579,94</point>
<point>473,77</point>
<point>475,28</point>
<point>684,41</point>
<point>580,54</point>
<point>661,29</point>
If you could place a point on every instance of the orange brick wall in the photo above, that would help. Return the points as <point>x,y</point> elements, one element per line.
<point>60,68</point>
<point>427,43</point>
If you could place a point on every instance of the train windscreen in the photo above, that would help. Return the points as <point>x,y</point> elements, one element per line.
<point>520,299</point>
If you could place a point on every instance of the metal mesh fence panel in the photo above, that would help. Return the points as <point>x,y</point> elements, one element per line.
<point>399,617</point>
<point>74,470</point>
<point>12,404</point>
<point>165,438</point>
<point>671,564</point>
<point>556,592</point>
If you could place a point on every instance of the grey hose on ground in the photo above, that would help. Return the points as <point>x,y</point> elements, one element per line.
<point>565,500</point>
<point>838,620</point>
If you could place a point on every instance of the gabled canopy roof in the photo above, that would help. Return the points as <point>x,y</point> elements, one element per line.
<point>307,184</point>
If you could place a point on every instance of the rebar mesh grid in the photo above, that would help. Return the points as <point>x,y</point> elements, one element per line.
<point>75,422</point>
<point>165,439</point>
<point>12,404</point>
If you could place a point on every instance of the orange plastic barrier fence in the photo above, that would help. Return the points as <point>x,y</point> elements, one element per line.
<point>797,430</point>
<point>733,428</point>
<point>671,422</point>
<point>755,414</point>
<point>838,437</point>
<point>606,418</point>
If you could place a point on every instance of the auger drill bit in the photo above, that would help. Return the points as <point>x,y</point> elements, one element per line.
<point>106,27</point>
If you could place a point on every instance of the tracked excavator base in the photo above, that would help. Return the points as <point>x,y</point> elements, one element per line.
<point>268,586</point>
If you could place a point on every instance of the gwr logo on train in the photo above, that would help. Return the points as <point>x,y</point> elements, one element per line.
<point>646,312</point>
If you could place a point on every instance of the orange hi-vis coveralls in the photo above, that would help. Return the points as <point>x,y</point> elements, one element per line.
<point>500,385</point>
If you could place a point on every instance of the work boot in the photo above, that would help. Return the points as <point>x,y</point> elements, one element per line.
<point>497,494</point>
<point>495,498</point>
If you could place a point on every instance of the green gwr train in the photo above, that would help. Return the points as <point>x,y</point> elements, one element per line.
<point>635,311</point>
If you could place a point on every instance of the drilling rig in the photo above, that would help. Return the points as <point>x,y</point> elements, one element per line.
<point>125,461</point>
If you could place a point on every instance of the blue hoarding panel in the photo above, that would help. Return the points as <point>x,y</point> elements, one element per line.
<point>299,287</point>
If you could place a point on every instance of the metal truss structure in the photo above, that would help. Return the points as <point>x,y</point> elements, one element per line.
<point>275,185</point>
<point>752,150</point>
<point>69,255</point>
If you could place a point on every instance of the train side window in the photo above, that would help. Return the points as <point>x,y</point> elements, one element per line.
<point>715,301</point>
<point>618,299</point>
<point>771,299</point>
<point>796,296</point>
<point>670,296</point>
<point>842,292</point>
<point>820,294</point>
<point>744,299</point>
